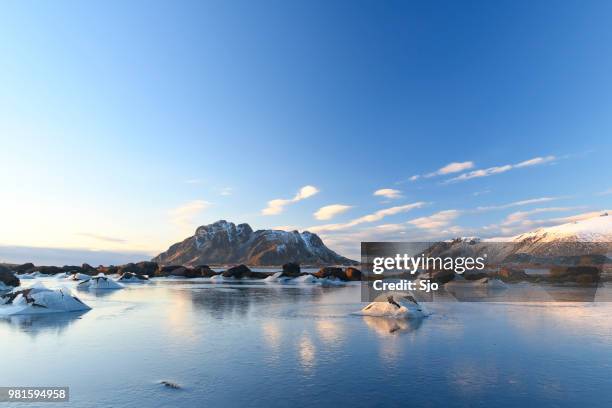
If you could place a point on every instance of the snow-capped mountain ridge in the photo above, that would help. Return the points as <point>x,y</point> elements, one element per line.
<point>593,229</point>
<point>224,242</point>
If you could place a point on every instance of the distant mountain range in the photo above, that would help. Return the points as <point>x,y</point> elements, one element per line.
<point>564,243</point>
<point>224,242</point>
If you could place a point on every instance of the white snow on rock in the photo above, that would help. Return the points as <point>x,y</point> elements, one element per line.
<point>38,299</point>
<point>100,282</point>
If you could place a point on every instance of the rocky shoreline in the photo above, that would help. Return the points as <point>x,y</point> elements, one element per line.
<point>9,274</point>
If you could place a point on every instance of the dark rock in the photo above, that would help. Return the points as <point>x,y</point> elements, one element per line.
<point>141,268</point>
<point>510,274</point>
<point>291,270</point>
<point>8,277</point>
<point>72,269</point>
<point>49,270</point>
<point>87,268</point>
<point>164,271</point>
<point>443,276</point>
<point>330,272</point>
<point>185,272</point>
<point>108,270</point>
<point>205,271</point>
<point>474,275</point>
<point>352,274</point>
<point>238,272</point>
<point>24,268</point>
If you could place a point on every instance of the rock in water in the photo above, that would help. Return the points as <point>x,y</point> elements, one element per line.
<point>226,243</point>
<point>352,274</point>
<point>291,270</point>
<point>8,279</point>
<point>238,272</point>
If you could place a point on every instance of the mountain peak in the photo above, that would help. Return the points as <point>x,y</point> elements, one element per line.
<point>224,242</point>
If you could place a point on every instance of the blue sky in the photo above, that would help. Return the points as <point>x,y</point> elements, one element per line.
<point>124,125</point>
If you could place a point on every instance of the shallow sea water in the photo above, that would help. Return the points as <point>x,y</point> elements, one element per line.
<point>273,345</point>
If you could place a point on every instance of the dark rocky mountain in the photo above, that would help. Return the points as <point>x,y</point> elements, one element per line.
<point>226,243</point>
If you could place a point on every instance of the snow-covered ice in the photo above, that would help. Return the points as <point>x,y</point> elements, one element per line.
<point>100,282</point>
<point>39,299</point>
<point>390,306</point>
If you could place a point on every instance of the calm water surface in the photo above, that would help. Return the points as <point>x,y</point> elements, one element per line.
<point>254,344</point>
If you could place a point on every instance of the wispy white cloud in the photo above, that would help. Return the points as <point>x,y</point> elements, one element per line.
<point>522,216</point>
<point>437,220</point>
<point>184,215</point>
<point>501,169</point>
<point>278,205</point>
<point>376,216</point>
<point>518,203</point>
<point>450,168</point>
<point>388,193</point>
<point>330,211</point>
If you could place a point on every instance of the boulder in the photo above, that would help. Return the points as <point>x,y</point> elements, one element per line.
<point>238,272</point>
<point>185,272</point>
<point>87,268</point>
<point>72,269</point>
<point>166,270</point>
<point>352,274</point>
<point>24,268</point>
<point>8,278</point>
<point>108,270</point>
<point>141,268</point>
<point>511,274</point>
<point>205,271</point>
<point>443,276</point>
<point>330,272</point>
<point>49,270</point>
<point>291,270</point>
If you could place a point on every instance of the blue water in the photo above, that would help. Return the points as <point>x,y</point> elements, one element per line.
<point>280,346</point>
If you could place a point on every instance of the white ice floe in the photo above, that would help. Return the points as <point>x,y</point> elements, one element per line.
<point>132,278</point>
<point>99,282</point>
<point>305,279</point>
<point>405,307</point>
<point>63,275</point>
<point>273,278</point>
<point>218,278</point>
<point>26,276</point>
<point>38,299</point>
<point>80,277</point>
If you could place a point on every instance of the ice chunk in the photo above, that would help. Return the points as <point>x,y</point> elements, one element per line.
<point>38,299</point>
<point>406,307</point>
<point>100,282</point>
